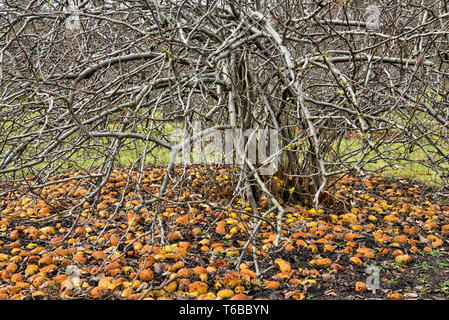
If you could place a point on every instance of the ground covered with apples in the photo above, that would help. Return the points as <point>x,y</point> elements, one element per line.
<point>372,238</point>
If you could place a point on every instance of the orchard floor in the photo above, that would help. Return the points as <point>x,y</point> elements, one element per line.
<point>378,238</point>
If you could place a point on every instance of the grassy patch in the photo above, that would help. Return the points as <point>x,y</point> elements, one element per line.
<point>397,159</point>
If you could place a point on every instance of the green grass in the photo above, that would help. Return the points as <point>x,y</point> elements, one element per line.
<point>412,169</point>
<point>131,151</point>
<point>405,164</point>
